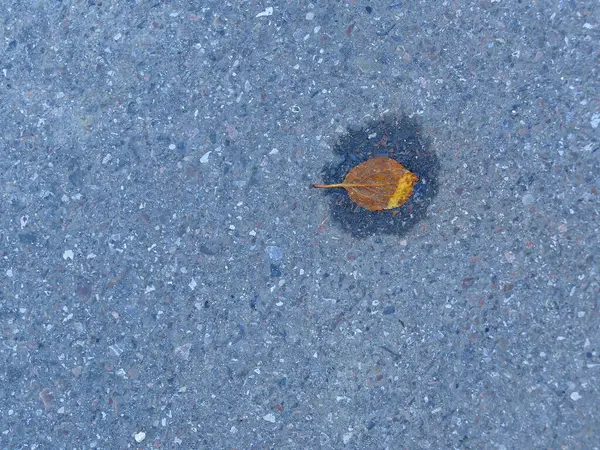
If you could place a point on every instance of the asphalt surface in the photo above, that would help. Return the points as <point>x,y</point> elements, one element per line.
<point>169,278</point>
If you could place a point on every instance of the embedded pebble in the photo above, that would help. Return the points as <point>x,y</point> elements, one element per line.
<point>275,253</point>
<point>183,351</point>
<point>269,417</point>
<point>139,437</point>
<point>528,199</point>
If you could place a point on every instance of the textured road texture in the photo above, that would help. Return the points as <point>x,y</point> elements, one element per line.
<point>170,279</point>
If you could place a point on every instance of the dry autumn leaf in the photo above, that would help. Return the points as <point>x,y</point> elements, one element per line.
<point>378,183</point>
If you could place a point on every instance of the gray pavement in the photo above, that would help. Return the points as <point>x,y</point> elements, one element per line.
<point>169,278</point>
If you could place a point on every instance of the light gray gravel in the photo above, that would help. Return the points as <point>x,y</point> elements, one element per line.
<point>169,279</point>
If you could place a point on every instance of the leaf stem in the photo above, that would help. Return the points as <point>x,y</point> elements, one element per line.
<point>327,186</point>
<point>346,185</point>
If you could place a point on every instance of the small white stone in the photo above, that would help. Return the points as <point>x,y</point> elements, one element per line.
<point>267,12</point>
<point>9,273</point>
<point>116,350</point>
<point>204,158</point>
<point>595,120</point>
<point>193,284</point>
<point>273,152</point>
<point>117,36</point>
<point>150,289</point>
<point>68,254</point>
<point>106,159</point>
<point>346,438</point>
<point>575,396</point>
<point>269,417</point>
<point>172,147</point>
<point>252,233</point>
<point>310,16</point>
<point>139,437</point>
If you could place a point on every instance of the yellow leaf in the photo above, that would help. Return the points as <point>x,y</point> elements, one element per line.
<point>377,184</point>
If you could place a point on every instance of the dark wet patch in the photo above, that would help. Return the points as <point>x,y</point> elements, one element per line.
<point>402,139</point>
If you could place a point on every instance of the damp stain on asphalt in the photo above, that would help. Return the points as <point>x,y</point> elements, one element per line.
<point>401,138</point>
